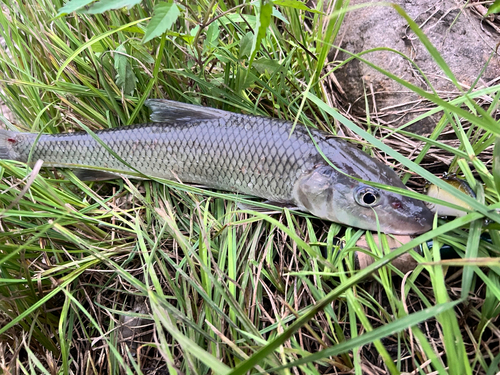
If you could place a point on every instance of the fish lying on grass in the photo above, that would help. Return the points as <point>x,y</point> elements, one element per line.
<point>240,153</point>
<point>436,192</point>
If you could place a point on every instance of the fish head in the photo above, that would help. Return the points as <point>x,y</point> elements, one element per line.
<point>331,195</point>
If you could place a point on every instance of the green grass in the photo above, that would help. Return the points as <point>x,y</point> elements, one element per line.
<point>217,289</point>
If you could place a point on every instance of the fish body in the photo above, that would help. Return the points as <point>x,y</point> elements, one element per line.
<point>241,153</point>
<point>436,192</point>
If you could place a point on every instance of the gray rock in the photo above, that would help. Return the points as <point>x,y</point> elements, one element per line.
<point>463,38</point>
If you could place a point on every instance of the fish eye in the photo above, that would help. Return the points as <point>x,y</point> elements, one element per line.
<point>366,196</point>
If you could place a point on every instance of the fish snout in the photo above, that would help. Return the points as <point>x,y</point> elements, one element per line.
<point>418,217</point>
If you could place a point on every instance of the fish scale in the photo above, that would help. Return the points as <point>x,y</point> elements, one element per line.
<point>246,163</point>
<point>240,153</point>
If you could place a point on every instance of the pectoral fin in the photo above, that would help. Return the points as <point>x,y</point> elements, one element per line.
<point>95,175</point>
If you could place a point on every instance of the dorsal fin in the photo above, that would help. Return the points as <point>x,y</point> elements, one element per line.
<point>171,111</point>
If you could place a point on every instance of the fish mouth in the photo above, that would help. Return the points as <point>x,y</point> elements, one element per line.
<point>420,224</point>
<point>413,231</point>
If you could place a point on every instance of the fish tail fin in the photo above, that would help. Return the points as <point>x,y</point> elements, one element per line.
<point>169,111</point>
<point>7,142</point>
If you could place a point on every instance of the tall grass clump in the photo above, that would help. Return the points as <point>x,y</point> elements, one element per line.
<point>159,277</point>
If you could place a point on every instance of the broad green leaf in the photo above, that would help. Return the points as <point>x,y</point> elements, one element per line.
<point>164,16</point>
<point>264,64</point>
<point>98,48</point>
<point>222,58</point>
<point>238,18</point>
<point>187,38</point>
<point>134,29</point>
<point>279,15</point>
<point>101,47</point>
<point>125,77</point>
<point>494,8</point>
<point>105,5</point>
<point>72,6</point>
<point>141,52</point>
<point>295,4</point>
<point>263,22</point>
<point>245,45</point>
<point>212,36</point>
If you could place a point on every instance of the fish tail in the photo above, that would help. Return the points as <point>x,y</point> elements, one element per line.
<point>8,139</point>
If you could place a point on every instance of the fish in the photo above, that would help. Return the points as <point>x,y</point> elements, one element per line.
<point>436,192</point>
<point>306,169</point>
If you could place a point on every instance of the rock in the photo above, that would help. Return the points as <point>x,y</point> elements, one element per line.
<point>463,38</point>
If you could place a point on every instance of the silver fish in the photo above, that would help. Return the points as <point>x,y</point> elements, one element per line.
<point>240,153</point>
